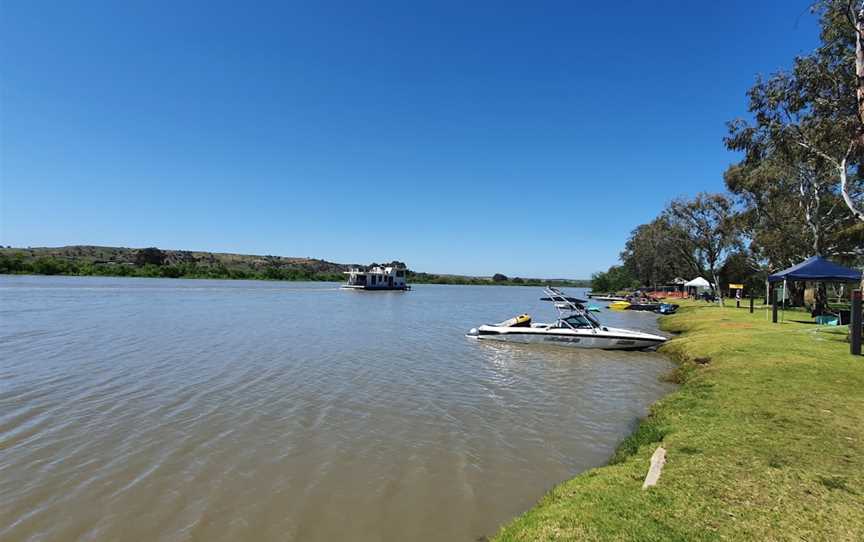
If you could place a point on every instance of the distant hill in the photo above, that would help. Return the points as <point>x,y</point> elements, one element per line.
<point>131,256</point>
<point>155,262</point>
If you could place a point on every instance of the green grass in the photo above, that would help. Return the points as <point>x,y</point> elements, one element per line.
<point>764,440</point>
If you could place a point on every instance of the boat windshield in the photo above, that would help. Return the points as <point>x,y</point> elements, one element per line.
<point>593,320</point>
<point>578,321</point>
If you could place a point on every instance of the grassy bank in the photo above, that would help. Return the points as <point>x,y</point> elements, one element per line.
<point>765,441</point>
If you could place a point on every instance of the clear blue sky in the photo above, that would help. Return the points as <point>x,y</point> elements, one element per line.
<point>473,139</point>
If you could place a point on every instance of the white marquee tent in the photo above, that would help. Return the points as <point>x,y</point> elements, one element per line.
<point>699,283</point>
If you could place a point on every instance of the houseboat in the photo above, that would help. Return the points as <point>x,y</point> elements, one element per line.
<point>377,278</point>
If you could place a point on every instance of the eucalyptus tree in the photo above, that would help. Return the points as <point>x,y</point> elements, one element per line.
<point>836,28</point>
<point>830,85</point>
<point>769,218</point>
<point>791,209</point>
<point>805,143</point>
<point>658,252</point>
<point>709,224</point>
<point>817,107</point>
<point>616,278</point>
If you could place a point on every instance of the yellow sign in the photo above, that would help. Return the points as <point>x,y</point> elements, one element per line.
<point>736,286</point>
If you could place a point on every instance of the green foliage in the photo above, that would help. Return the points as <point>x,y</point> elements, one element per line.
<point>791,196</point>
<point>46,265</point>
<point>739,269</point>
<point>103,261</point>
<point>12,263</point>
<point>708,225</point>
<point>800,178</point>
<point>429,278</point>
<point>692,236</point>
<point>615,279</point>
<point>658,252</point>
<point>792,192</point>
<point>50,266</point>
<point>149,256</point>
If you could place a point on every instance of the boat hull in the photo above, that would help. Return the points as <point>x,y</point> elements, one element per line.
<point>651,307</point>
<point>375,288</point>
<point>605,340</point>
<point>667,308</point>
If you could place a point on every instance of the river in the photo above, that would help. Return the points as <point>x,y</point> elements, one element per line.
<point>167,409</point>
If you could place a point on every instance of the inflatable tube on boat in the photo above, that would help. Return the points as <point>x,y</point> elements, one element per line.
<point>523,320</point>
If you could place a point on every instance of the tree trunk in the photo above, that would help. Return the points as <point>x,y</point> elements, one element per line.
<point>795,293</point>
<point>859,63</point>
<point>859,93</point>
<point>820,299</point>
<point>846,191</point>
<point>717,286</point>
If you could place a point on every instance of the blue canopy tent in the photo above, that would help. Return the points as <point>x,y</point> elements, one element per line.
<point>817,269</point>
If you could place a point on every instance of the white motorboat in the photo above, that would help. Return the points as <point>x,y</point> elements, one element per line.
<point>608,298</point>
<point>575,326</point>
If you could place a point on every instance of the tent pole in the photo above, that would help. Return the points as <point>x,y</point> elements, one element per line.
<point>783,317</point>
<point>773,305</point>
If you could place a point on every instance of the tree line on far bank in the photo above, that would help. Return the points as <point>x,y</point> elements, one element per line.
<point>152,262</point>
<point>50,265</point>
<point>497,279</point>
<point>798,189</point>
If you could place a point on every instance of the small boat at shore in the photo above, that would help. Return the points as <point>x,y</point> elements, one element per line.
<point>667,308</point>
<point>644,306</point>
<point>608,298</point>
<point>575,326</point>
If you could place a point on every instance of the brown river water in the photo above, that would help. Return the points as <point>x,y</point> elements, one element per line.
<point>168,410</point>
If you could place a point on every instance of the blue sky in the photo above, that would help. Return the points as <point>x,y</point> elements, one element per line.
<point>522,138</point>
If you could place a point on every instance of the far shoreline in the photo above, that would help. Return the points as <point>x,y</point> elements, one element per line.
<point>527,284</point>
<point>152,262</point>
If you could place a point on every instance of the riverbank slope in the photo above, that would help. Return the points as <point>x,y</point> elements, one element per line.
<point>765,441</point>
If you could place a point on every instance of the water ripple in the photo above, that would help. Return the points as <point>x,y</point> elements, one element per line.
<point>173,410</point>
